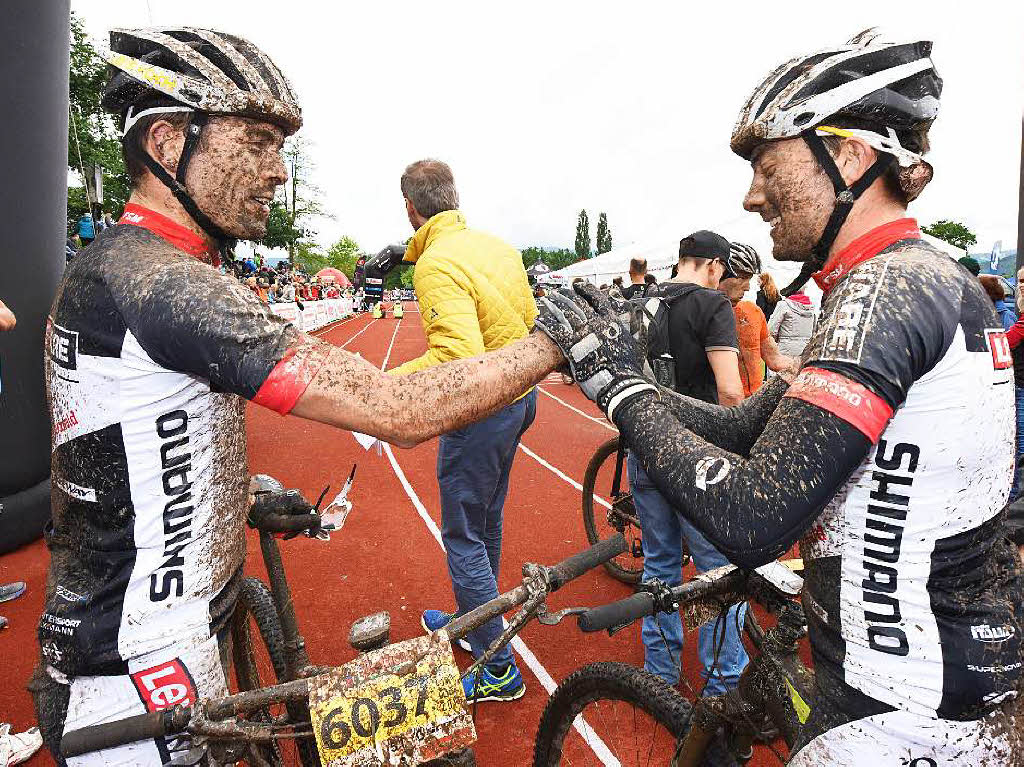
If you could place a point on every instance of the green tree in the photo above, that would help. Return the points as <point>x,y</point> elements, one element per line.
<point>309,257</point>
<point>296,203</point>
<point>604,234</point>
<point>556,259</point>
<point>93,139</point>
<point>583,235</point>
<point>952,232</point>
<point>343,255</point>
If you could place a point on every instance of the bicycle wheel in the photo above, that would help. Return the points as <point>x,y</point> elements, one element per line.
<point>259,661</point>
<point>603,522</point>
<point>634,715</point>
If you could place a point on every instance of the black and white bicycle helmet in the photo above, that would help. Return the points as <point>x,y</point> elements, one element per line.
<point>200,71</point>
<point>743,259</point>
<point>893,88</point>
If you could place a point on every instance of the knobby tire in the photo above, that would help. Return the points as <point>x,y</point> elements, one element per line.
<point>628,575</point>
<point>255,601</point>
<point>606,681</point>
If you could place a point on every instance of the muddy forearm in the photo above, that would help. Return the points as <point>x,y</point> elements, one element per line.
<point>752,509</point>
<point>406,410</point>
<point>735,429</point>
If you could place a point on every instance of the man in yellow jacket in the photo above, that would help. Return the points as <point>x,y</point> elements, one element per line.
<point>474,297</point>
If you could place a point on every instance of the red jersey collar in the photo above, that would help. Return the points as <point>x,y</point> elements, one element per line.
<point>171,231</point>
<point>864,247</point>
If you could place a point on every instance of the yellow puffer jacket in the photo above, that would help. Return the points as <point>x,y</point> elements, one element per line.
<point>472,288</point>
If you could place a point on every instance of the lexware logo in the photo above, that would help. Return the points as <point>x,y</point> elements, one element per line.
<point>986,633</point>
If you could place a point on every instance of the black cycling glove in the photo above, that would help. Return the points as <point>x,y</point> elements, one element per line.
<point>601,354</point>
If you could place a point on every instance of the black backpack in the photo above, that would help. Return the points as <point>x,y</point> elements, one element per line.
<point>650,326</point>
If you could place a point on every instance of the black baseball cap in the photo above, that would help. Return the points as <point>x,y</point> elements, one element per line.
<point>706,244</point>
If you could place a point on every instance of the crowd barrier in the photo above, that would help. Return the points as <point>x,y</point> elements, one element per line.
<point>314,314</point>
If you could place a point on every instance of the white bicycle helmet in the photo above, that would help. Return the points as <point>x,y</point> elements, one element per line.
<point>876,91</point>
<point>201,72</point>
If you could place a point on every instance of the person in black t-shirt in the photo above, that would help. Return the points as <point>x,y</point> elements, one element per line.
<point>637,272</point>
<point>703,342</point>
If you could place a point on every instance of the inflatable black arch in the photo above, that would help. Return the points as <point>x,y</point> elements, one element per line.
<point>34,59</point>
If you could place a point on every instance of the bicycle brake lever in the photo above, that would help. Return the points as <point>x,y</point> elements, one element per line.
<point>553,619</point>
<point>332,522</point>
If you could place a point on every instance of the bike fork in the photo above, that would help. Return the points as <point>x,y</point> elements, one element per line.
<point>296,658</point>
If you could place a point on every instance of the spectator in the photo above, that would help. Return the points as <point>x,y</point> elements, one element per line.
<point>971,265</point>
<point>71,247</point>
<point>108,221</point>
<point>649,279</point>
<point>86,229</point>
<point>637,285</point>
<point>757,347</point>
<point>994,287</point>
<point>705,349</point>
<point>474,297</point>
<point>792,324</point>
<point>767,295</point>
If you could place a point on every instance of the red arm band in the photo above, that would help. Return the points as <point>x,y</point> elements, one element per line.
<point>856,404</point>
<point>290,377</point>
<point>1016,333</point>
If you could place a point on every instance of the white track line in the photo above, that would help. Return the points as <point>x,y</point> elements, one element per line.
<point>353,338</point>
<point>598,421</point>
<point>547,682</point>
<point>333,325</point>
<point>387,357</point>
<point>591,738</point>
<point>561,474</point>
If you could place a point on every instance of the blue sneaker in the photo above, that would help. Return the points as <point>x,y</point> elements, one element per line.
<point>508,686</point>
<point>433,620</point>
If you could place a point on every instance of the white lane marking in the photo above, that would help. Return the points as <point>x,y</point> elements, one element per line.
<point>384,364</point>
<point>333,325</point>
<point>598,421</point>
<point>547,682</point>
<point>561,474</point>
<point>353,338</point>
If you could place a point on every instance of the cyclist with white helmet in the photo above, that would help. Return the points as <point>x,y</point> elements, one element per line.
<point>890,455</point>
<point>151,354</point>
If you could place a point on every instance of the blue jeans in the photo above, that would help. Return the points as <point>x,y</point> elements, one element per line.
<point>473,465</point>
<point>1019,463</point>
<point>663,530</point>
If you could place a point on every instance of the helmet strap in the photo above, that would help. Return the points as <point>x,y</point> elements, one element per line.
<point>193,132</point>
<point>846,196</point>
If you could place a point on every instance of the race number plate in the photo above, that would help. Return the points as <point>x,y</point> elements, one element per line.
<point>400,705</point>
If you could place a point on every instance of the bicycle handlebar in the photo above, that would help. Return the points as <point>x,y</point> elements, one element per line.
<point>618,613</point>
<point>133,728</point>
<point>560,574</point>
<point>577,564</point>
<point>643,603</point>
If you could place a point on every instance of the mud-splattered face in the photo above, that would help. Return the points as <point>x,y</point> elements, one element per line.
<point>792,193</point>
<point>234,172</point>
<point>735,287</point>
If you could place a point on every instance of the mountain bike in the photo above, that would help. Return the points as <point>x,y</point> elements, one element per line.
<point>397,704</point>
<point>608,509</point>
<point>644,720</point>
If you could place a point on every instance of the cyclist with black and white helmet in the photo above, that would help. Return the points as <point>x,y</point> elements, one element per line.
<point>151,354</point>
<point>758,350</point>
<point>890,455</point>
<point>744,259</point>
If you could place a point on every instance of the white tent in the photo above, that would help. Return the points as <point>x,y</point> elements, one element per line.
<point>662,255</point>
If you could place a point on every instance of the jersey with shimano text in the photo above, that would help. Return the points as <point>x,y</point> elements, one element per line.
<point>149,354</point>
<point>912,591</point>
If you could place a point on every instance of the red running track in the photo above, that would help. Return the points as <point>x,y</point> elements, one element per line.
<point>387,557</point>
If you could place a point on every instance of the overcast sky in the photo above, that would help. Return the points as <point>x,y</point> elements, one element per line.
<point>544,108</point>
